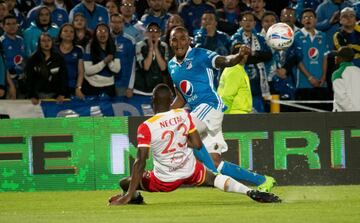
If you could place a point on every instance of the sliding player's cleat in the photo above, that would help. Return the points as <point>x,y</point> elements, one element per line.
<point>267,185</point>
<point>263,197</point>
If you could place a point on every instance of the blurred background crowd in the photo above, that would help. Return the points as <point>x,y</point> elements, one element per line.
<point>61,49</point>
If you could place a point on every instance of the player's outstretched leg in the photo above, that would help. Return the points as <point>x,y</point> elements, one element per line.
<point>228,184</point>
<point>264,183</point>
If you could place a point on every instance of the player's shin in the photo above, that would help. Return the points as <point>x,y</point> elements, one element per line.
<point>203,156</point>
<point>228,184</point>
<point>239,173</point>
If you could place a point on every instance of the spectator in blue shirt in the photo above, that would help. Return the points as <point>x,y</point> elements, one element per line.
<point>156,13</point>
<point>12,8</point>
<point>133,26</point>
<point>59,16</point>
<point>93,12</point>
<point>229,16</point>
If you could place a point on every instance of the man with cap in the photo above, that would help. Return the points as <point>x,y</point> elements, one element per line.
<point>349,33</point>
<point>346,81</point>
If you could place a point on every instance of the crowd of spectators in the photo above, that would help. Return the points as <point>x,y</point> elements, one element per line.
<point>61,49</point>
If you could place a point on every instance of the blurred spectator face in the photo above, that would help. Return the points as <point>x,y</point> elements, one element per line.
<point>67,33</point>
<point>288,16</point>
<point>156,5</point>
<point>102,34</point>
<point>308,20</point>
<point>197,2</point>
<point>3,11</point>
<point>48,2</point>
<point>79,22</point>
<point>10,4</point>
<point>179,42</point>
<point>89,1</point>
<point>257,5</point>
<point>167,4</point>
<point>117,24</point>
<point>248,22</point>
<point>230,4</point>
<point>45,43</point>
<point>208,20</point>
<point>338,1</point>
<point>153,33</point>
<point>11,26</point>
<point>44,16</point>
<point>111,7</point>
<point>348,19</point>
<point>268,21</point>
<point>127,8</point>
<point>174,20</point>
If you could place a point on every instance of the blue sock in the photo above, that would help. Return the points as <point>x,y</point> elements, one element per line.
<point>239,173</point>
<point>203,155</point>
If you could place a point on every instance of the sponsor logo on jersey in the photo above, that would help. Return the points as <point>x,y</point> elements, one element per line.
<point>18,59</point>
<point>140,136</point>
<point>186,87</point>
<point>313,53</point>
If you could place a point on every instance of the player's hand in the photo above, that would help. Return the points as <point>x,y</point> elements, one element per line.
<point>120,199</point>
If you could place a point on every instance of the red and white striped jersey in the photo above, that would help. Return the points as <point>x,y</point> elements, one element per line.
<point>166,134</point>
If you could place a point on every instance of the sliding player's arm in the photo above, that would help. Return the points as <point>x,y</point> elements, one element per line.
<point>194,140</point>
<point>136,175</point>
<point>179,100</point>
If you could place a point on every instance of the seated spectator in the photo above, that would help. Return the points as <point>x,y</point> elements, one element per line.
<point>234,88</point>
<point>46,72</point>
<point>151,57</point>
<point>349,33</point>
<point>229,16</point>
<point>346,81</point>
<point>59,16</point>
<point>82,34</point>
<point>73,56</point>
<point>93,12</point>
<point>155,14</point>
<point>14,57</point>
<point>191,12</point>
<point>133,27</point>
<point>41,24</point>
<point>101,63</point>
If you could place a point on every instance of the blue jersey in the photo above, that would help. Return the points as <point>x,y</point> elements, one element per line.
<point>312,52</point>
<point>125,48</point>
<point>99,15</point>
<point>59,16</point>
<point>72,59</point>
<point>194,78</point>
<point>14,54</point>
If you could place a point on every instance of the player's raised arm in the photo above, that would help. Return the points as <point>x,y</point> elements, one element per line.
<point>179,100</point>
<point>136,174</point>
<point>232,60</point>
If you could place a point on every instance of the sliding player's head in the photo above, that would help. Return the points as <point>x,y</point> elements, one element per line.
<point>162,98</point>
<point>179,42</point>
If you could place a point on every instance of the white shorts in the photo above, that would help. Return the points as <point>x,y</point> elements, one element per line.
<point>208,122</point>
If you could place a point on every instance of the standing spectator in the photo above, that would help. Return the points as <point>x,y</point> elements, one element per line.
<point>328,17</point>
<point>112,7</point>
<point>21,19</point>
<point>41,24</point>
<point>46,72</point>
<point>25,6</point>
<point>346,81</point>
<point>156,13</point>
<point>133,27</point>
<point>125,48</point>
<point>269,18</point>
<point>258,7</point>
<point>3,74</point>
<point>151,57</point>
<point>101,63</point>
<point>14,57</point>
<point>82,33</point>
<point>229,16</point>
<point>192,11</point>
<point>171,6</point>
<point>93,12</point>
<point>3,12</point>
<point>255,62</point>
<point>59,16</point>
<point>66,4</point>
<point>73,56</point>
<point>288,16</point>
<point>174,20</point>
<point>208,37</point>
<point>349,33</point>
<point>234,88</point>
<point>312,47</point>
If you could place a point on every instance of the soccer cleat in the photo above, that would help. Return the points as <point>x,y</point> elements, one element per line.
<point>267,185</point>
<point>137,200</point>
<point>263,197</point>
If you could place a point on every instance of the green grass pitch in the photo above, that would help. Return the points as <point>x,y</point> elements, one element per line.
<point>305,204</point>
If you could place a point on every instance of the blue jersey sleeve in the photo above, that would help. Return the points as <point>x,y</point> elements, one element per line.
<point>208,57</point>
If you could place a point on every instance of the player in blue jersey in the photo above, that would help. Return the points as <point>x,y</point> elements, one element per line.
<point>192,71</point>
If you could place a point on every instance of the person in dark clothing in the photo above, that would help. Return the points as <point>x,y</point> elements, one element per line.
<point>46,72</point>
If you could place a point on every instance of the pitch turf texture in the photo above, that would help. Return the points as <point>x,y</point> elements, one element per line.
<point>307,204</point>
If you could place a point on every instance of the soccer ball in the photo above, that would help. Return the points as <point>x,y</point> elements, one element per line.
<point>279,36</point>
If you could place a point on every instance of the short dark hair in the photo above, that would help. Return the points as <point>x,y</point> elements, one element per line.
<point>346,53</point>
<point>308,10</point>
<point>267,13</point>
<point>10,16</point>
<point>243,14</point>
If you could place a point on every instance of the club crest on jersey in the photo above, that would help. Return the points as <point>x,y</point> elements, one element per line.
<point>313,53</point>
<point>186,87</point>
<point>188,65</point>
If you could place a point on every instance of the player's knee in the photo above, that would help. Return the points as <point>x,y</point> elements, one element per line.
<point>124,183</point>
